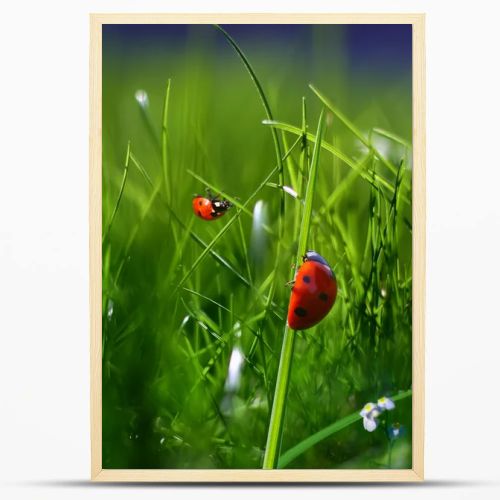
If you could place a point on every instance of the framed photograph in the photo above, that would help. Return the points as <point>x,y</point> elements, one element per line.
<point>257,247</point>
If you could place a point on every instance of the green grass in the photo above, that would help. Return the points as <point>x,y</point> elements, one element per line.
<point>186,301</point>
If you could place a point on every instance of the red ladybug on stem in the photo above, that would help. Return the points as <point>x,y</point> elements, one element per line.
<point>313,293</point>
<point>210,207</point>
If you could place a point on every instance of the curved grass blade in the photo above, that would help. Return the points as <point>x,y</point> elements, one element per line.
<point>164,141</point>
<point>239,318</point>
<point>262,96</point>
<point>278,410</point>
<point>392,137</point>
<point>370,177</point>
<point>217,237</point>
<point>277,150</point>
<point>319,436</point>
<point>232,199</point>
<point>120,194</point>
<point>231,222</point>
<point>304,166</point>
<point>193,235</point>
<point>355,130</point>
<point>342,187</point>
<point>276,309</point>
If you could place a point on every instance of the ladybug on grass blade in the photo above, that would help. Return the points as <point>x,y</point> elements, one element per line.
<point>210,207</point>
<point>313,293</point>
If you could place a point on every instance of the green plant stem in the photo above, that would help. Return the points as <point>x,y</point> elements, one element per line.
<point>355,130</point>
<point>229,224</point>
<point>277,151</point>
<point>120,193</point>
<point>368,176</point>
<point>282,381</point>
<point>164,142</point>
<point>304,166</point>
<point>326,432</point>
<point>263,98</point>
<point>278,412</point>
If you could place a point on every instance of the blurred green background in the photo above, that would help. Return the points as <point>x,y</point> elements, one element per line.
<point>169,397</point>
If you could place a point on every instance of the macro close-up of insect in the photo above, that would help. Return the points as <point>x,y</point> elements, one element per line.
<point>303,135</point>
<point>210,207</point>
<point>313,292</point>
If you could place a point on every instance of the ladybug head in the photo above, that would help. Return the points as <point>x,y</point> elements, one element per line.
<point>316,257</point>
<point>311,255</point>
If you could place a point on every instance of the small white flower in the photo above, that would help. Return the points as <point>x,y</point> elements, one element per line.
<point>385,403</point>
<point>370,412</point>
<point>370,424</point>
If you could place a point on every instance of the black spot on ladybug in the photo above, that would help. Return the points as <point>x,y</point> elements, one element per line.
<point>200,203</point>
<point>307,279</point>
<point>300,311</point>
<point>323,296</point>
<point>199,213</point>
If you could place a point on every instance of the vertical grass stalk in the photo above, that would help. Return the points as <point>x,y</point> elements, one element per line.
<point>276,422</point>
<point>164,142</point>
<point>120,193</point>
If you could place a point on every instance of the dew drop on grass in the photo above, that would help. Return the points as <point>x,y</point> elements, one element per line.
<point>141,96</point>
<point>235,363</point>
<point>233,378</point>
<point>184,321</point>
<point>290,191</point>
<point>258,237</point>
<point>234,371</point>
<point>111,305</point>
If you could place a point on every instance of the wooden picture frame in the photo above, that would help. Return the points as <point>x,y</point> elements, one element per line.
<point>416,473</point>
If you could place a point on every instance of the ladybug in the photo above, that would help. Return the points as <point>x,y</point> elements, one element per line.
<point>313,293</point>
<point>210,207</point>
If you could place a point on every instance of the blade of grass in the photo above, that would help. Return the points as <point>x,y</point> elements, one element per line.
<point>278,410</point>
<point>341,188</point>
<point>120,193</point>
<point>392,137</point>
<point>276,141</point>
<point>164,142</point>
<point>231,221</point>
<point>304,166</point>
<point>239,318</point>
<point>232,199</point>
<point>277,150</point>
<point>134,232</point>
<point>289,163</point>
<point>319,436</point>
<point>253,76</point>
<point>355,130</point>
<point>276,309</point>
<point>245,250</point>
<point>334,151</point>
<point>193,235</point>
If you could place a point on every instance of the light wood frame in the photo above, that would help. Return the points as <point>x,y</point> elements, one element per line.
<point>416,473</point>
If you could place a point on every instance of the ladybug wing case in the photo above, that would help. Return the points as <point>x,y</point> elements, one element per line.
<point>313,295</point>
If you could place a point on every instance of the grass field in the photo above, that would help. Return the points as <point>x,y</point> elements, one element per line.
<point>194,312</point>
